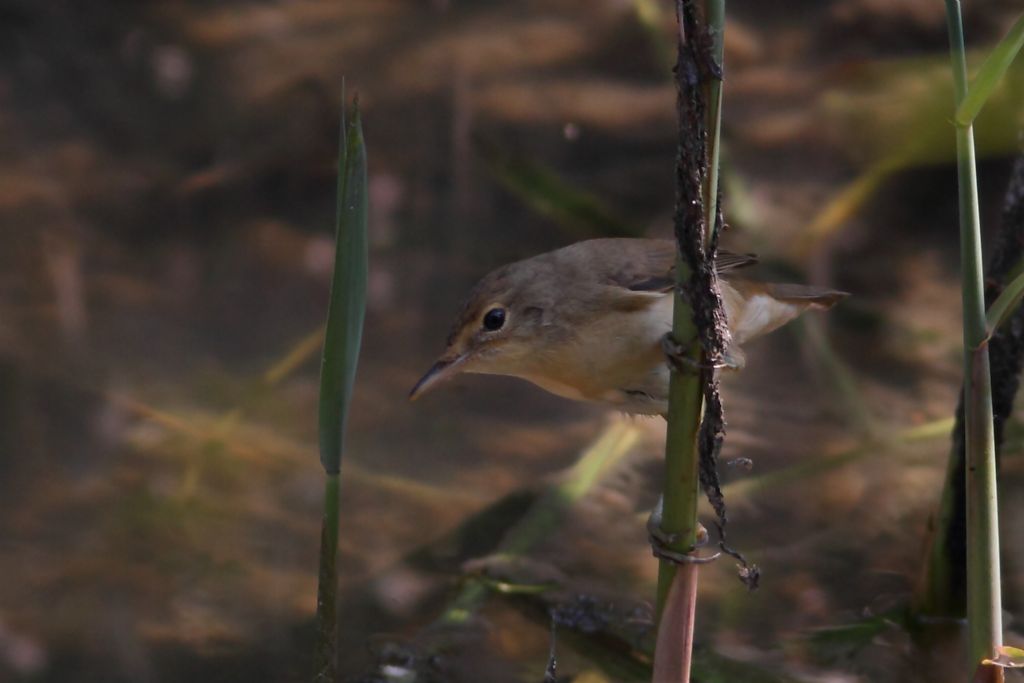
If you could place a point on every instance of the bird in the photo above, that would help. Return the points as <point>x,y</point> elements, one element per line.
<point>587,321</point>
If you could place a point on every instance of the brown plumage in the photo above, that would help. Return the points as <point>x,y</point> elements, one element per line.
<point>586,321</point>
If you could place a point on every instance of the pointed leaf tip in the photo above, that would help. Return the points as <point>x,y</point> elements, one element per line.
<point>990,74</point>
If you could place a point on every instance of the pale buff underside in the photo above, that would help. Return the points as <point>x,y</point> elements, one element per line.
<point>626,368</point>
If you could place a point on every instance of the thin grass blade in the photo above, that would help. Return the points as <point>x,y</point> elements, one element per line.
<point>991,72</point>
<point>1004,306</point>
<point>297,355</point>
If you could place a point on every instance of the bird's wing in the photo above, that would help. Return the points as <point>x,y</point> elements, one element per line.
<point>728,260</point>
<point>806,295</point>
<point>646,265</point>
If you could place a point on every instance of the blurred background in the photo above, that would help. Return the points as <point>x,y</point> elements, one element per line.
<point>166,214</point>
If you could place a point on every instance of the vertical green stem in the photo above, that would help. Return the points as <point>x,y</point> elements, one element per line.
<point>984,601</point>
<point>325,657</point>
<point>682,488</point>
<point>715,13</point>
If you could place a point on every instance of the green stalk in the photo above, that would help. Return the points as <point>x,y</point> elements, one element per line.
<point>984,601</point>
<point>715,14</point>
<point>342,339</point>
<point>682,487</point>
<point>679,507</point>
<point>325,656</point>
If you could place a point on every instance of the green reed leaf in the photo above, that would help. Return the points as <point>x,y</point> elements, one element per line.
<point>348,295</point>
<point>991,72</point>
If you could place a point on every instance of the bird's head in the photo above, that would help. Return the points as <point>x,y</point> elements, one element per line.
<point>498,331</point>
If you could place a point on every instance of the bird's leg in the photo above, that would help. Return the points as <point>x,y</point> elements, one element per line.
<point>682,362</point>
<point>661,541</point>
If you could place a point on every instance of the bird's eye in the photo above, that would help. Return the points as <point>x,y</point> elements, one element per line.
<point>494,319</point>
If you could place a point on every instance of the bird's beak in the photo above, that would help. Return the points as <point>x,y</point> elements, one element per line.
<point>446,367</point>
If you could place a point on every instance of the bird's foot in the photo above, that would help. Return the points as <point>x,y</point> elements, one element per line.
<point>661,541</point>
<point>680,359</point>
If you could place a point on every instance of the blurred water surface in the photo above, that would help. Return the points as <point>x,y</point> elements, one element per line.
<point>166,203</point>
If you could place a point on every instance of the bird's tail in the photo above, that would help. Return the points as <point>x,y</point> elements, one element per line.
<point>755,309</point>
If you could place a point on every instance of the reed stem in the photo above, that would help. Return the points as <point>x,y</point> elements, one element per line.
<point>325,664</point>
<point>681,486</point>
<point>984,600</point>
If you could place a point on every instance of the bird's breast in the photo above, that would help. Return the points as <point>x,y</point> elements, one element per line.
<point>614,359</point>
